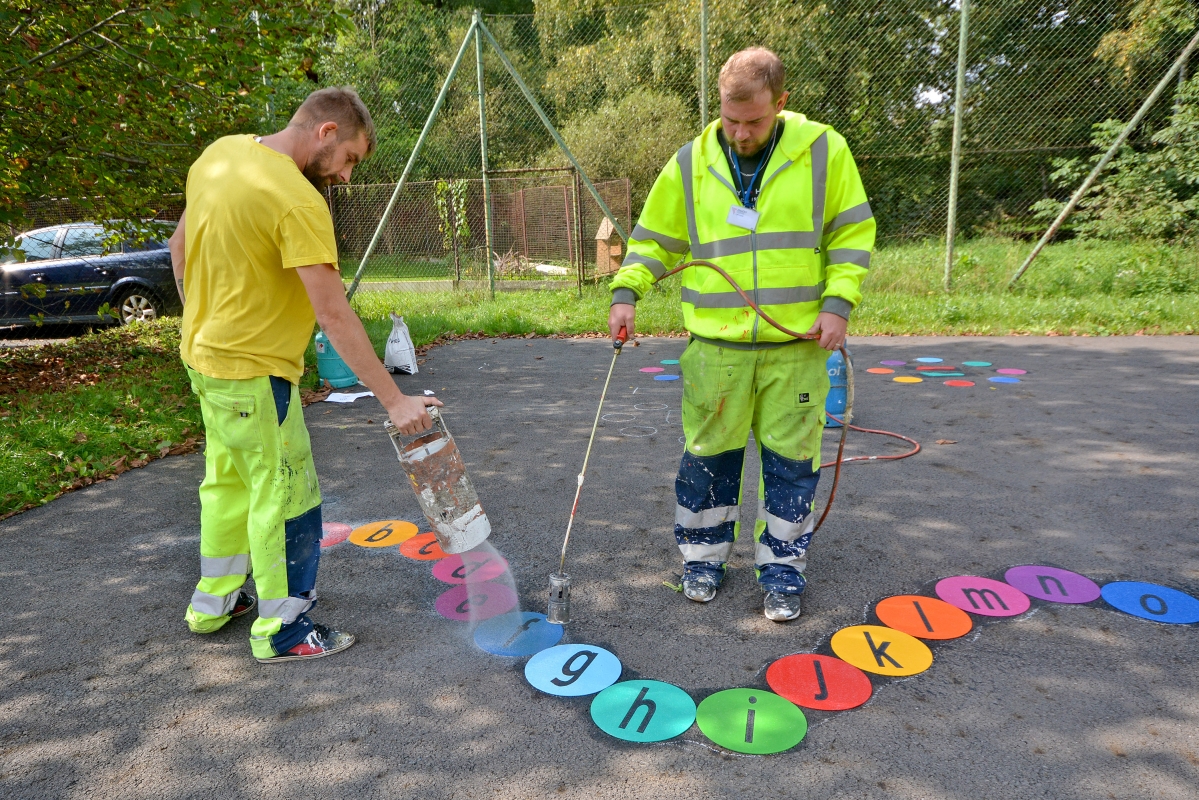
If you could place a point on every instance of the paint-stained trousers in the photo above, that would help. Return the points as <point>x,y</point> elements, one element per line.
<point>260,510</point>
<point>779,394</point>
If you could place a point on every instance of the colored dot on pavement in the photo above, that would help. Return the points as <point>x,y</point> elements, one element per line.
<point>893,363</point>
<point>908,379</point>
<point>930,360</point>
<point>883,651</point>
<point>652,369</point>
<point>666,377</point>
<point>670,362</point>
<point>1010,371</point>
<point>976,363</point>
<point>334,532</point>
<point>387,533</point>
<point>1004,379</point>
<point>881,371</point>
<point>943,374</point>
<point>959,383</point>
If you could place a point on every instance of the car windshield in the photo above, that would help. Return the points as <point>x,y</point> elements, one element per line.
<point>33,246</point>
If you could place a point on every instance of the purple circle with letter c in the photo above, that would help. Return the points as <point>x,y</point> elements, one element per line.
<point>1052,584</point>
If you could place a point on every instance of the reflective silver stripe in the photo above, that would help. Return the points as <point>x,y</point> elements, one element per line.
<point>684,159</point>
<point>214,605</point>
<point>668,243</point>
<point>766,297</point>
<point>782,240</point>
<point>776,172</point>
<point>718,552</point>
<point>708,518</point>
<point>720,178</point>
<point>286,609</point>
<point>763,555</point>
<point>213,567</point>
<point>655,266</point>
<point>859,213</point>
<point>849,256</point>
<point>819,184</point>
<point>787,531</point>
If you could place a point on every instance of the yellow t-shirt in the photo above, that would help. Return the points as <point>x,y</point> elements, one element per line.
<point>252,217</point>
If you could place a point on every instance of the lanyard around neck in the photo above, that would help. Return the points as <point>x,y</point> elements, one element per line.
<point>745,193</point>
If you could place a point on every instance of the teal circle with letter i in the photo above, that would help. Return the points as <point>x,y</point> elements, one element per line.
<point>643,711</point>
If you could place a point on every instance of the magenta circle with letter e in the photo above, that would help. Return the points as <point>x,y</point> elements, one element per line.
<point>984,596</point>
<point>1052,584</point>
<point>476,601</point>
<point>652,369</point>
<point>470,567</point>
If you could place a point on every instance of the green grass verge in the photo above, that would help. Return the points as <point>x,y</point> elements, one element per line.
<point>133,402</point>
<point>116,400</point>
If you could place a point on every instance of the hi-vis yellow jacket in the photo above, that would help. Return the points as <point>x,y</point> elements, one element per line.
<point>810,250</point>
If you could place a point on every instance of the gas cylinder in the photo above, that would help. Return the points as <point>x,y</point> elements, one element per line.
<point>838,388</point>
<point>434,468</point>
<point>329,365</point>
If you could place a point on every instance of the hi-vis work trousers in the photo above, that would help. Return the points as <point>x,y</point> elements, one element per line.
<point>779,394</point>
<point>260,510</point>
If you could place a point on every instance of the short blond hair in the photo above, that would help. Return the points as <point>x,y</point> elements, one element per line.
<point>750,71</point>
<point>340,104</point>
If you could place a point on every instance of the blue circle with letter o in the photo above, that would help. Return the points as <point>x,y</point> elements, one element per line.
<point>520,634</point>
<point>1151,601</point>
<point>572,670</point>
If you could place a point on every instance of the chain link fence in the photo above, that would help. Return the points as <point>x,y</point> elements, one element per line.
<point>629,84</point>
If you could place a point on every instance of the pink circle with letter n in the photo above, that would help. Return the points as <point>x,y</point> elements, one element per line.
<point>983,596</point>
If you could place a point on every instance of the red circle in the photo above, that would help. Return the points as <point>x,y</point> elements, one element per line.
<point>959,383</point>
<point>821,682</point>
<point>422,548</point>
<point>335,533</point>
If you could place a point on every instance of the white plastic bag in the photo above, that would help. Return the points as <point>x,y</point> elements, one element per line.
<point>400,355</point>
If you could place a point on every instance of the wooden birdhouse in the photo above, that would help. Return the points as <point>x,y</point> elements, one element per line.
<point>609,248</point>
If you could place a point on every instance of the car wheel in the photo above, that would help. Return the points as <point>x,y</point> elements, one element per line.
<point>137,305</point>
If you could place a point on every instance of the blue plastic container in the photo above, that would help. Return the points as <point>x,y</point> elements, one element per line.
<point>329,365</point>
<point>838,388</point>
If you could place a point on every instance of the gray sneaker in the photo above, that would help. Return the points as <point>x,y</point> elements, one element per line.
<point>781,607</point>
<point>701,588</point>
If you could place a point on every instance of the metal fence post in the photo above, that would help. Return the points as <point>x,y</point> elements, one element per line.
<point>416,148</point>
<point>483,153</point>
<point>955,157</point>
<point>1107,157</point>
<point>703,64</point>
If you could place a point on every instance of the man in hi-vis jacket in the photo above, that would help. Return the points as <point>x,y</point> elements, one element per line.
<point>775,200</point>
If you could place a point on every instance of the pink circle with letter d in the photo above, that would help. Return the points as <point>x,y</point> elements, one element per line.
<point>989,598</point>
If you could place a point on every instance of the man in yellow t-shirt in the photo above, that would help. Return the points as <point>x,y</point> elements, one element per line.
<point>255,262</point>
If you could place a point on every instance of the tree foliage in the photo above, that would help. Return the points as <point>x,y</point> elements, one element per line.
<point>107,102</point>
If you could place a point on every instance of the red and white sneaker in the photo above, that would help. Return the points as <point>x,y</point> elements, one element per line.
<point>321,641</point>
<point>246,603</point>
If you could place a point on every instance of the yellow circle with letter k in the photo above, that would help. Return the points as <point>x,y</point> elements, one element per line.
<point>883,651</point>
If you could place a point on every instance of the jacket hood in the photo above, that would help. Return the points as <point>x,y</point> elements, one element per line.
<point>798,135</point>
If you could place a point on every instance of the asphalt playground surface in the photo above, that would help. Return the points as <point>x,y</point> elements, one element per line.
<point>1088,464</point>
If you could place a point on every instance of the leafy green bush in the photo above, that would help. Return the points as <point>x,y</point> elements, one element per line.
<point>633,137</point>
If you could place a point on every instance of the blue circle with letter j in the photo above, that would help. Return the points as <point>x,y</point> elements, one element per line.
<point>572,670</point>
<point>1151,601</point>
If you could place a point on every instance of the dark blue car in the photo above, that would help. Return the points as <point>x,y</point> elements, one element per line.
<point>81,273</point>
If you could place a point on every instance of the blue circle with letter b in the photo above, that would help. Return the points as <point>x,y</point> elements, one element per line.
<point>643,711</point>
<point>572,670</point>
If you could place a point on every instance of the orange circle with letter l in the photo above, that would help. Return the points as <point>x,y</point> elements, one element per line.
<point>387,533</point>
<point>422,548</point>
<point>923,617</point>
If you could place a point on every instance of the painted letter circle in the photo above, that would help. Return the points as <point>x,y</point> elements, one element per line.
<point>883,651</point>
<point>751,721</point>
<point>572,670</point>
<point>983,596</point>
<point>820,682</point>
<point>516,635</point>
<point>923,617</point>
<point>643,711</point>
<point>1151,601</point>
<point>1052,584</point>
